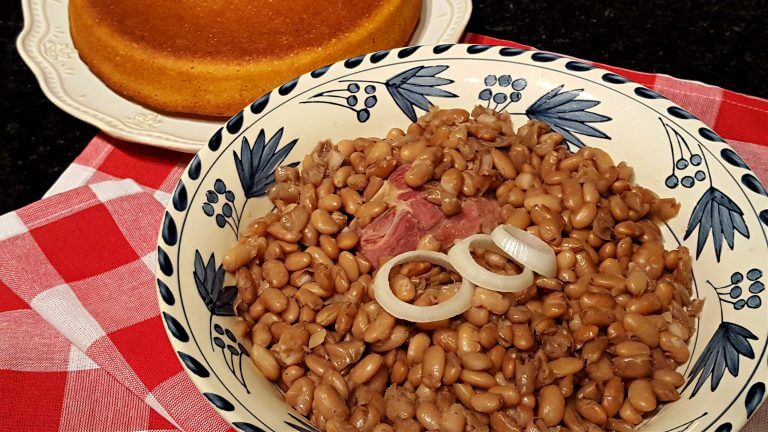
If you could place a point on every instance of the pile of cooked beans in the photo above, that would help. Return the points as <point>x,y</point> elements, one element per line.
<point>594,348</point>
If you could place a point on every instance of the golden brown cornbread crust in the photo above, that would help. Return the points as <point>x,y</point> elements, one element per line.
<point>192,56</point>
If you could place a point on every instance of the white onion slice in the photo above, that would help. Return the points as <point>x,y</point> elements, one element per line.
<point>527,249</point>
<point>456,305</point>
<point>335,159</point>
<point>468,268</point>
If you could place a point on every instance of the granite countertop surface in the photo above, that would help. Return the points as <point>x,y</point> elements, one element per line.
<point>719,43</point>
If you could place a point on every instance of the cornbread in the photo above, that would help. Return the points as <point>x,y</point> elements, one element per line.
<point>211,58</point>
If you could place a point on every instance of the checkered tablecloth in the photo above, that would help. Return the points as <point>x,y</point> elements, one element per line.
<point>81,345</point>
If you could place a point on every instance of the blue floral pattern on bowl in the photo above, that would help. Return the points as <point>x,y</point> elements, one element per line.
<point>672,152</point>
<point>409,89</point>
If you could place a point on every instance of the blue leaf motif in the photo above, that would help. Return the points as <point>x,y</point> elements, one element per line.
<point>218,329</point>
<point>439,49</point>
<point>579,118</point>
<point>555,98</point>
<point>417,100</point>
<point>221,221</point>
<point>208,209</point>
<point>174,326</point>
<point>165,293</point>
<point>544,57</point>
<point>288,87</point>
<point>578,66</point>
<point>258,106</point>
<point>193,365</point>
<point>256,164</point>
<point>407,51</point>
<point>226,210</point>
<point>754,397</point>
<point>732,158</point>
<point>219,402</point>
<point>716,213</point>
<point>164,262</point>
<point>575,106</point>
<point>753,184</point>
<point>209,281</point>
<point>725,427</point>
<point>729,342</point>
<point>219,342</point>
<point>170,234</point>
<point>180,197</point>
<point>431,81</point>
<point>680,113</point>
<point>195,165</point>
<point>379,56</point>
<point>426,91</point>
<point>233,126</point>
<point>567,115</point>
<point>410,88</point>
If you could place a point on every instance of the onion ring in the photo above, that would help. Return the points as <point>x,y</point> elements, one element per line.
<point>468,268</point>
<point>456,305</point>
<point>527,249</point>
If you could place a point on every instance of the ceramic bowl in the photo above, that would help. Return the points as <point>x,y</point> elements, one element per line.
<point>723,220</point>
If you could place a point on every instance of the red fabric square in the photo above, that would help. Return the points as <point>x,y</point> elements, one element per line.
<point>146,348</point>
<point>754,155</point>
<point>96,151</point>
<point>28,343</point>
<point>193,412</point>
<point>59,206</point>
<point>148,166</point>
<point>99,177</point>
<point>158,422</point>
<point>173,177</point>
<point>9,300</point>
<point>125,296</point>
<point>84,244</point>
<point>138,216</point>
<point>105,354</point>
<point>25,269</point>
<point>94,401</point>
<point>702,101</point>
<point>25,410</point>
<point>743,118</point>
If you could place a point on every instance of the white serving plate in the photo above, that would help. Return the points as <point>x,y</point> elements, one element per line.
<point>46,46</point>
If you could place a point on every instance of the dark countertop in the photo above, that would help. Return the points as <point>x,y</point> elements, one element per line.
<point>720,43</point>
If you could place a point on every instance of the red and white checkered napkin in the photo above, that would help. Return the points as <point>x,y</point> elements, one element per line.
<point>81,345</point>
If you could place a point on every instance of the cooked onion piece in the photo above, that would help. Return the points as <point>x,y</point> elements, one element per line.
<point>526,249</point>
<point>455,305</point>
<point>469,269</point>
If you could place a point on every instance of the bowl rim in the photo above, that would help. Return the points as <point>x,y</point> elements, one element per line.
<point>639,93</point>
